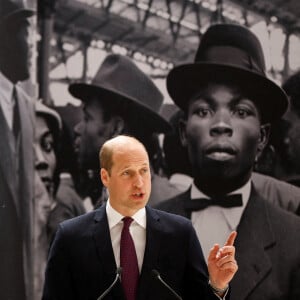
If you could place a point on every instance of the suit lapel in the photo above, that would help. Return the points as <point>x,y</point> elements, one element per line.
<point>27,150</point>
<point>26,178</point>
<point>101,236</point>
<point>153,238</point>
<point>254,237</point>
<point>152,247</point>
<point>7,162</point>
<point>102,240</point>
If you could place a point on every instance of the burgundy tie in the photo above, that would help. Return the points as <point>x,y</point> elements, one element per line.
<point>128,261</point>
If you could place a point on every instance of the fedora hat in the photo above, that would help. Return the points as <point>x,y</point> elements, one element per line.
<point>119,76</point>
<point>12,9</point>
<point>232,53</point>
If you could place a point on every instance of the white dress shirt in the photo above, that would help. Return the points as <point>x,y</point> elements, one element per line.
<point>137,230</point>
<point>7,100</point>
<point>214,223</point>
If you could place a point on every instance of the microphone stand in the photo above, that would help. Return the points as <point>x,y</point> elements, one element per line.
<point>157,275</point>
<point>118,275</point>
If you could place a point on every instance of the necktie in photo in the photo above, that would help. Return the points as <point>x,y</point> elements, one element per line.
<point>128,262</point>
<point>16,117</point>
<point>226,201</point>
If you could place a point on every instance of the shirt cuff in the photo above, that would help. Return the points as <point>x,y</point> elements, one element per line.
<point>217,291</point>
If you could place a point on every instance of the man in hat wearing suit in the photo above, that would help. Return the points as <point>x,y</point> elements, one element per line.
<point>229,104</point>
<point>121,100</point>
<point>16,148</point>
<point>146,243</point>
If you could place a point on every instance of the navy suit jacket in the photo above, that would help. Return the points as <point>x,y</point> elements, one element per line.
<point>267,249</point>
<point>81,262</point>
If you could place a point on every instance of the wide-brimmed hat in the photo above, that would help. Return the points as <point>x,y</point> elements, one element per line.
<point>232,53</point>
<point>12,9</point>
<point>119,76</point>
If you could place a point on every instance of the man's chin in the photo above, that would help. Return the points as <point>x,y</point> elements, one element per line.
<point>219,169</point>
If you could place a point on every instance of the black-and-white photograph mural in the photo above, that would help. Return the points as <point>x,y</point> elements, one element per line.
<point>114,112</point>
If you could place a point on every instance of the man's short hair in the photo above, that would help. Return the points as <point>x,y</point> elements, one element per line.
<point>107,150</point>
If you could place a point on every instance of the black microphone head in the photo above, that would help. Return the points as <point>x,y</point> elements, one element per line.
<point>119,271</point>
<point>155,273</point>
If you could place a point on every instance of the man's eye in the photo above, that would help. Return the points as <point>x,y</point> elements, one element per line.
<point>202,112</point>
<point>48,146</point>
<point>242,112</point>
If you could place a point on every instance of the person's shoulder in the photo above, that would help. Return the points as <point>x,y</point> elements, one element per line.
<point>169,219</point>
<point>282,216</point>
<point>67,196</point>
<point>272,182</point>
<point>278,192</point>
<point>78,223</point>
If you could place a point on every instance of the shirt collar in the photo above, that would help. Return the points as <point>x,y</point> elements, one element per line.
<point>6,88</point>
<point>115,217</point>
<point>232,215</point>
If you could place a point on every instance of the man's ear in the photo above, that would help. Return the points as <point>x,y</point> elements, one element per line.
<point>104,176</point>
<point>264,137</point>
<point>117,126</point>
<point>182,132</point>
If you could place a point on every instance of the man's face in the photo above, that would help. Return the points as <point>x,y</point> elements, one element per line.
<point>222,133</point>
<point>292,141</point>
<point>129,181</point>
<point>45,159</point>
<point>91,133</point>
<point>16,49</point>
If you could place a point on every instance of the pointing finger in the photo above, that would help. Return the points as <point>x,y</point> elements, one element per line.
<point>231,238</point>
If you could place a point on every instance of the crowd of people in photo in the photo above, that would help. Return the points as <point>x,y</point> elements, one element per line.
<point>223,156</point>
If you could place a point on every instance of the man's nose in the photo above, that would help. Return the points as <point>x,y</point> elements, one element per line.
<point>139,181</point>
<point>221,124</point>
<point>40,161</point>
<point>78,128</point>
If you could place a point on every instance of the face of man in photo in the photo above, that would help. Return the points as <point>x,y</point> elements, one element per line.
<point>91,133</point>
<point>16,49</point>
<point>223,133</point>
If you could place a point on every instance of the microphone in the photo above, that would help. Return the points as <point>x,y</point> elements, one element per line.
<point>118,275</point>
<point>157,275</point>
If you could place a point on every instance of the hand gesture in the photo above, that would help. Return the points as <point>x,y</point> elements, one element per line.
<point>222,264</point>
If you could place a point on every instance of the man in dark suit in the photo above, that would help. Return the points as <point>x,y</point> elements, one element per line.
<point>229,104</point>
<point>88,249</point>
<point>16,148</point>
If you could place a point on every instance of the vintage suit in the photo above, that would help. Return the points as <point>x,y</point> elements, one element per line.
<point>16,204</point>
<point>267,249</point>
<point>68,205</point>
<point>81,262</point>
